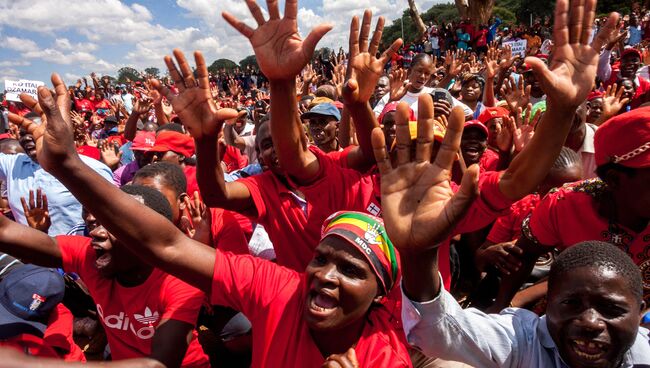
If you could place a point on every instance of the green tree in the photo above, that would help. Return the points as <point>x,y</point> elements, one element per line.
<point>248,60</point>
<point>128,72</point>
<point>153,71</point>
<point>219,64</point>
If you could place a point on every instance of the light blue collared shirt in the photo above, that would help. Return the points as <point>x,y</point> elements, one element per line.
<point>22,174</point>
<point>514,338</point>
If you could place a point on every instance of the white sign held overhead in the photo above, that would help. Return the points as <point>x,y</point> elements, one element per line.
<point>518,47</point>
<point>13,88</point>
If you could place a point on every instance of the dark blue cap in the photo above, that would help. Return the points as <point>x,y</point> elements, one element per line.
<point>27,297</point>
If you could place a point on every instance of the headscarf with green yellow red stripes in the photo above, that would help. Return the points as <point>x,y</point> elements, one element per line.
<point>368,234</point>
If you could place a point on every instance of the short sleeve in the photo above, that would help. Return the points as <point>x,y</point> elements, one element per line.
<point>256,185</point>
<point>182,302</point>
<point>485,209</point>
<point>74,252</point>
<point>248,284</point>
<point>540,226</point>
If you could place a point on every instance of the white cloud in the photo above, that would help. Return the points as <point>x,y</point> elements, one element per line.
<point>9,73</point>
<point>19,44</point>
<point>65,44</point>
<point>13,63</point>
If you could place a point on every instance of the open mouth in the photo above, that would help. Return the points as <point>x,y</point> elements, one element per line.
<point>589,350</point>
<point>102,257</point>
<point>321,304</point>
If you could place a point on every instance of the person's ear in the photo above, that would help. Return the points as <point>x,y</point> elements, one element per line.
<point>182,202</point>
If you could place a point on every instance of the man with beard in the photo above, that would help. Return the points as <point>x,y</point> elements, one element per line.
<point>22,173</point>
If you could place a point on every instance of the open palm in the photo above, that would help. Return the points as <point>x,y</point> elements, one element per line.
<point>280,51</point>
<point>194,104</point>
<point>364,67</point>
<point>419,206</point>
<point>569,77</point>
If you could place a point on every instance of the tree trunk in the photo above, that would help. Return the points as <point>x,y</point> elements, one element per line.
<point>417,20</point>
<point>478,11</point>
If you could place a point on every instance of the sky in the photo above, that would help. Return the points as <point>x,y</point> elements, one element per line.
<point>77,37</point>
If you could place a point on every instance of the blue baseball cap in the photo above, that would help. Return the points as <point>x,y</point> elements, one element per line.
<point>28,295</point>
<point>323,109</point>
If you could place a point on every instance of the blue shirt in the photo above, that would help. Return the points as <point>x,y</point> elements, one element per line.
<point>514,338</point>
<point>22,174</point>
<point>635,35</point>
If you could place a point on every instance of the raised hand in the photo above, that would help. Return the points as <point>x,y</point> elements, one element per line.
<point>364,69</point>
<point>521,127</point>
<point>491,64</point>
<point>110,154</point>
<point>54,137</point>
<point>419,206</point>
<point>235,89</point>
<point>141,106</point>
<point>612,102</point>
<point>398,85</point>
<point>516,94</point>
<point>281,52</point>
<point>37,213</point>
<point>194,104</point>
<point>569,77</point>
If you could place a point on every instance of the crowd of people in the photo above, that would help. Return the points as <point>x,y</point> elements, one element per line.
<point>446,203</point>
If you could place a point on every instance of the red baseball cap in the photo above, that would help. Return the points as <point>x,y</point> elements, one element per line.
<point>594,95</point>
<point>477,124</point>
<point>625,140</point>
<point>143,141</point>
<point>493,113</point>
<point>392,106</point>
<point>175,142</point>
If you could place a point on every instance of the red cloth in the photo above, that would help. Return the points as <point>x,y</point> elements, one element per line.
<point>101,104</point>
<point>295,232</point>
<point>508,227</point>
<point>227,234</point>
<point>190,177</point>
<point>341,157</point>
<point>273,299</point>
<point>622,135</point>
<point>59,334</point>
<point>130,315</point>
<point>117,138</point>
<point>30,345</point>
<point>234,159</point>
<point>489,161</point>
<point>83,104</point>
<point>570,215</point>
<point>89,151</point>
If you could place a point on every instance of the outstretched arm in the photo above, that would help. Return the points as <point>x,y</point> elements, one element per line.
<point>566,81</point>
<point>29,245</point>
<point>282,54</point>
<point>198,112</point>
<point>364,71</point>
<point>156,240</point>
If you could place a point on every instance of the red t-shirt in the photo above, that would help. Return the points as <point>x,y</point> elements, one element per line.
<point>569,215</point>
<point>641,89</point>
<point>83,104</point>
<point>273,299</point>
<point>59,334</point>
<point>227,234</point>
<point>101,104</point>
<point>489,161</point>
<point>234,159</point>
<point>508,228</point>
<point>130,315</point>
<point>294,224</point>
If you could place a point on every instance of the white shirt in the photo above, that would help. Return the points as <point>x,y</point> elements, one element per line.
<point>588,153</point>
